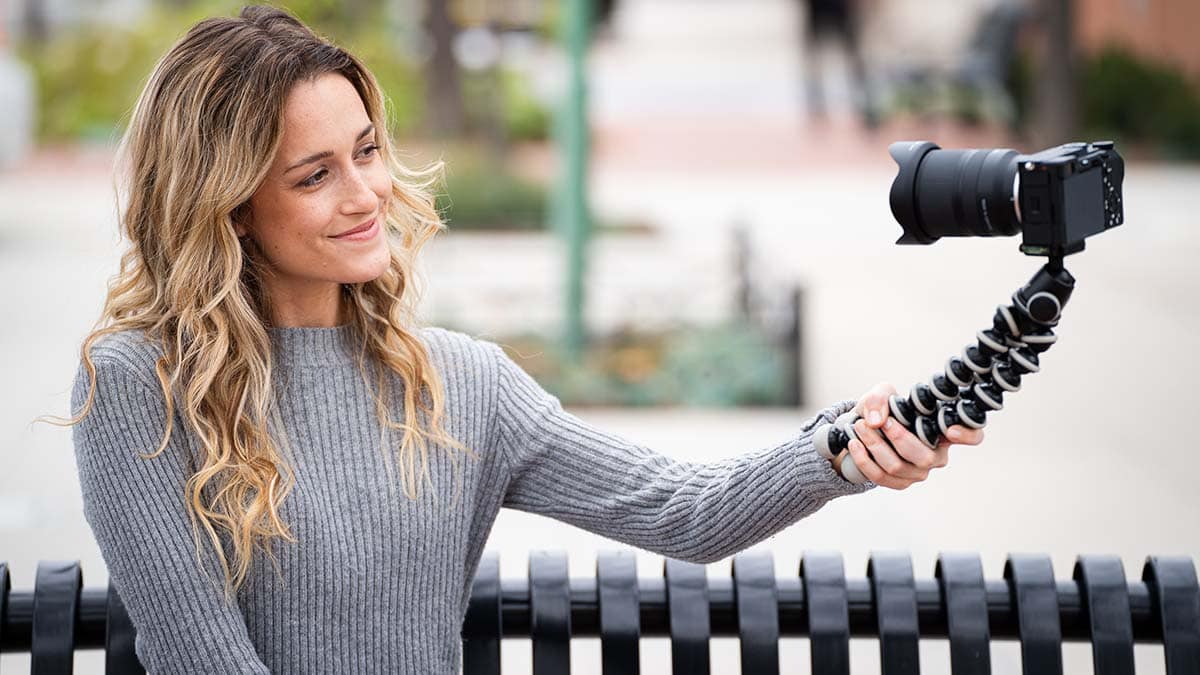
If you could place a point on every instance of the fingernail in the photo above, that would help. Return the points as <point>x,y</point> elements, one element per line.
<point>954,434</point>
<point>889,425</point>
<point>875,417</point>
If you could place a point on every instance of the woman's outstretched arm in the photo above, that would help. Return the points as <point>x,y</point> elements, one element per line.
<point>136,510</point>
<point>566,469</point>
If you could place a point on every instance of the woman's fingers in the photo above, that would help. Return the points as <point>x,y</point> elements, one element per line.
<point>962,435</point>
<point>887,457</point>
<point>890,455</point>
<point>873,405</point>
<point>868,467</point>
<point>909,446</point>
<point>941,454</point>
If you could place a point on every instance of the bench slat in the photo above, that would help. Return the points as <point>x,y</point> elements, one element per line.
<point>757,612</point>
<point>824,579</point>
<point>1172,582</point>
<point>891,576</point>
<point>55,608</point>
<point>550,606</point>
<point>687,602</point>
<point>483,625</point>
<point>120,649</point>
<point>5,587</point>
<point>1101,580</point>
<point>620,619</point>
<point>1031,580</point>
<point>964,596</point>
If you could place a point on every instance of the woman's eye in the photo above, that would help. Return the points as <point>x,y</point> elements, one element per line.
<point>316,177</point>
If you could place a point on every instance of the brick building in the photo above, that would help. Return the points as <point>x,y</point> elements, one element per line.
<point>1161,30</point>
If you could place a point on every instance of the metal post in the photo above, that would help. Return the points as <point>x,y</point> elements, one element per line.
<point>570,206</point>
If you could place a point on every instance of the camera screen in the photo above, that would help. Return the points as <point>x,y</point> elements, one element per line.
<point>1083,200</point>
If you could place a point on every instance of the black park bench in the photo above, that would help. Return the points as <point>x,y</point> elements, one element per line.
<point>1096,604</point>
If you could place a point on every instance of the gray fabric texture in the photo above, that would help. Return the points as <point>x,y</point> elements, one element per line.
<point>376,582</point>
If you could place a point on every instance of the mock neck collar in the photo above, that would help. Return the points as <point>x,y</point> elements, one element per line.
<point>305,346</point>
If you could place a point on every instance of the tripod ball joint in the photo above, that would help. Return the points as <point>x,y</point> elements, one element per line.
<point>991,343</point>
<point>1039,341</point>
<point>965,413</point>
<point>986,395</point>
<point>922,399</point>
<point>1044,308</point>
<point>1004,323</point>
<point>905,412</point>
<point>958,372</point>
<point>831,439</point>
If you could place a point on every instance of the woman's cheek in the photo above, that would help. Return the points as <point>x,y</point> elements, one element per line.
<point>385,257</point>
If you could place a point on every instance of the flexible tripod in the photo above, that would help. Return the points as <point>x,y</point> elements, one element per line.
<point>973,384</point>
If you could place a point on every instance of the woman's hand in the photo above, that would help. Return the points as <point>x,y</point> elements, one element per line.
<point>897,458</point>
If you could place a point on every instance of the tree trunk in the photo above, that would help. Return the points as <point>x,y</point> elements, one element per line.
<point>37,27</point>
<point>1055,89</point>
<point>445,114</point>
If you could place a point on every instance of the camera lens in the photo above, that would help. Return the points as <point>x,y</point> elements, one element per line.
<point>953,193</point>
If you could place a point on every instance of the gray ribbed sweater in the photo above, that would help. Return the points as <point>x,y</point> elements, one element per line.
<point>378,583</point>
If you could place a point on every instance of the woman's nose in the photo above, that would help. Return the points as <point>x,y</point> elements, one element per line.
<point>360,196</point>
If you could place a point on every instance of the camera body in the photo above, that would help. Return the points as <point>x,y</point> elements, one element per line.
<point>1056,197</point>
<point>1068,193</point>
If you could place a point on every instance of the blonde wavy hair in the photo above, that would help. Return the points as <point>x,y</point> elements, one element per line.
<point>203,133</point>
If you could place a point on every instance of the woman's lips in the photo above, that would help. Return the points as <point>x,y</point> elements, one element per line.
<point>361,232</point>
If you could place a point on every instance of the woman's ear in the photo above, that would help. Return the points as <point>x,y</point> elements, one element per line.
<point>241,218</point>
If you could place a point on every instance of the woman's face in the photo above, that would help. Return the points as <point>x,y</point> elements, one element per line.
<point>327,179</point>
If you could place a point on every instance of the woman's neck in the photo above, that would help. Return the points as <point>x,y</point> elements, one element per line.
<point>324,307</point>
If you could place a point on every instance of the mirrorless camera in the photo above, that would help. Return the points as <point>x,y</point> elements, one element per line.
<point>1055,198</point>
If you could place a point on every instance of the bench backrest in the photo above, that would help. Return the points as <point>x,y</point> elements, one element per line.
<point>1097,604</point>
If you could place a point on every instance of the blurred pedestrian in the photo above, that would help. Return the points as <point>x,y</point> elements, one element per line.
<point>835,21</point>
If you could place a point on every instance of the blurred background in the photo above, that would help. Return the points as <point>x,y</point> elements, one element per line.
<point>674,214</point>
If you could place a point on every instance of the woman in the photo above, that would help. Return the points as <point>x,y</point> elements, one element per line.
<point>283,471</point>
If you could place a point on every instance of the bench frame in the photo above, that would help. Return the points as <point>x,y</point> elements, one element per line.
<point>1097,604</point>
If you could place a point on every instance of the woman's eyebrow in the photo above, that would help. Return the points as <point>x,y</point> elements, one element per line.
<point>327,153</point>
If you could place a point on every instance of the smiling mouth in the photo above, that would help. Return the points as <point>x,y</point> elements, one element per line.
<point>361,228</point>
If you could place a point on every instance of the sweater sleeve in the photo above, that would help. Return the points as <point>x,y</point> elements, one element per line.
<point>136,510</point>
<point>566,469</point>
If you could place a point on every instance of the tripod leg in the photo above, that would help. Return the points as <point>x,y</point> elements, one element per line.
<point>974,384</point>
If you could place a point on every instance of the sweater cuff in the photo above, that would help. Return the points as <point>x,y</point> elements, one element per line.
<point>830,483</point>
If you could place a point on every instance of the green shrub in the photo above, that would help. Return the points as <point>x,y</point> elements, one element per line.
<point>525,118</point>
<point>723,365</point>
<point>726,364</point>
<point>1129,98</point>
<point>89,77</point>
<point>475,197</point>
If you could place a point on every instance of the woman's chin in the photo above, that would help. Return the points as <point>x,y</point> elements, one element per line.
<point>366,273</point>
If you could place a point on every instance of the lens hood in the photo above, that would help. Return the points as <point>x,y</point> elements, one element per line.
<point>903,196</point>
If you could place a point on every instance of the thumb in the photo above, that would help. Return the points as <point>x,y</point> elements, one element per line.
<point>874,404</point>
